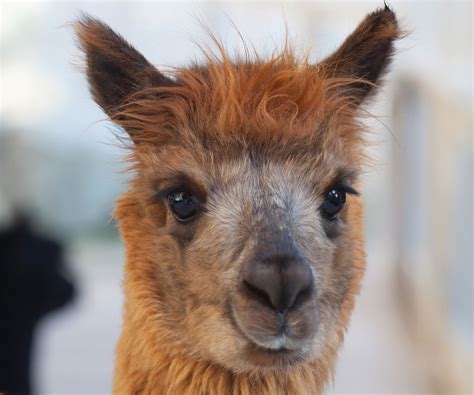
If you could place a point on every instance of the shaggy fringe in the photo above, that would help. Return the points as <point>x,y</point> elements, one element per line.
<point>284,97</point>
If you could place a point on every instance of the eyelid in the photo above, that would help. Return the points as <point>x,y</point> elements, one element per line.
<point>164,193</point>
<point>343,179</point>
<point>180,181</point>
<point>182,187</point>
<point>345,187</point>
<point>349,189</point>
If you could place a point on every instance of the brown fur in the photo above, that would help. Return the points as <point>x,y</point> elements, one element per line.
<point>259,141</point>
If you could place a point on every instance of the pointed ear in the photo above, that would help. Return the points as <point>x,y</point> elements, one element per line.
<point>364,55</point>
<point>115,70</point>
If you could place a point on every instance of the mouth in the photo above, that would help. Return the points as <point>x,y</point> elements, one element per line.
<point>276,344</point>
<point>274,351</point>
<point>271,350</point>
<point>273,358</point>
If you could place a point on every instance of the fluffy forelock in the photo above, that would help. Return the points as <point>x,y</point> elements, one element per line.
<point>282,97</point>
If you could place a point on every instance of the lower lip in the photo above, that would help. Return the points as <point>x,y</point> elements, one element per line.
<point>272,358</point>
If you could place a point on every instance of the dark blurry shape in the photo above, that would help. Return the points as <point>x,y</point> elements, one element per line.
<point>33,282</point>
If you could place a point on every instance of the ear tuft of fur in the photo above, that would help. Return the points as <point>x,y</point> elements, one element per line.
<point>365,54</point>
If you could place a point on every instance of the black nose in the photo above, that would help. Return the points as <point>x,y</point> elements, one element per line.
<point>280,281</point>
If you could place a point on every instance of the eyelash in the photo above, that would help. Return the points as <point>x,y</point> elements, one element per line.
<point>345,187</point>
<point>348,189</point>
<point>164,193</point>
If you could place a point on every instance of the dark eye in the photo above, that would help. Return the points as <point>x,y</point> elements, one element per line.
<point>333,203</point>
<point>184,206</point>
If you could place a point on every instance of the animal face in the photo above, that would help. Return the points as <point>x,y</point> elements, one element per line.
<point>243,221</point>
<point>254,252</point>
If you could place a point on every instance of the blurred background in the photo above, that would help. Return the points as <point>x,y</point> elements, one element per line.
<point>60,173</point>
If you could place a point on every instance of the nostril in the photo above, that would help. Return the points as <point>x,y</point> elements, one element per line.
<point>294,294</point>
<point>258,294</point>
<point>303,295</point>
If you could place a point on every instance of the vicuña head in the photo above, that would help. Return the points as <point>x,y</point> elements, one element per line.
<point>242,225</point>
